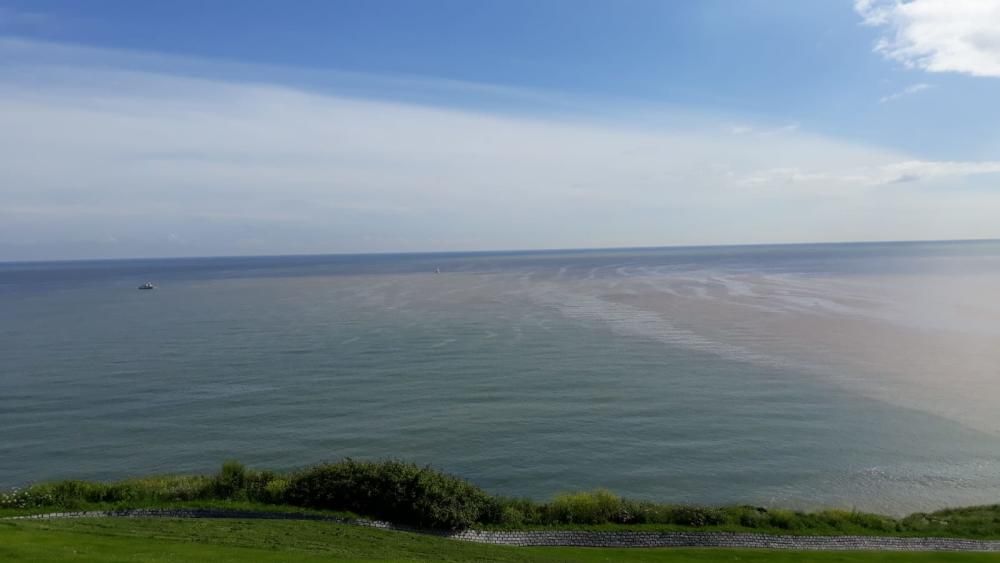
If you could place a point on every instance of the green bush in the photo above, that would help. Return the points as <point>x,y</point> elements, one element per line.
<point>67,494</point>
<point>16,499</point>
<point>230,482</point>
<point>783,519</point>
<point>274,491</point>
<point>405,493</point>
<point>72,495</point>
<point>392,490</point>
<point>873,522</point>
<point>513,512</point>
<point>176,488</point>
<point>749,517</point>
<point>695,516</point>
<point>594,507</point>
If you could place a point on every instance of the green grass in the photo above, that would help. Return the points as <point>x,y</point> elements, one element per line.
<point>222,541</point>
<point>972,522</point>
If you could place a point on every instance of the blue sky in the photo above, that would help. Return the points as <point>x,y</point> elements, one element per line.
<point>208,128</point>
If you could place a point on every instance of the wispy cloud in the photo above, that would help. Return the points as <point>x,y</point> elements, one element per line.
<point>960,36</point>
<point>19,20</point>
<point>870,176</point>
<point>99,158</point>
<point>909,90</point>
<point>764,131</point>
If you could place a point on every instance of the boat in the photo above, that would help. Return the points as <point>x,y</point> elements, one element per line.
<point>147,285</point>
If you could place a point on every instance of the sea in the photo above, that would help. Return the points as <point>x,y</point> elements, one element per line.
<point>856,376</point>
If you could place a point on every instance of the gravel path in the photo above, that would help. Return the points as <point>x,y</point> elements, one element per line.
<point>569,538</point>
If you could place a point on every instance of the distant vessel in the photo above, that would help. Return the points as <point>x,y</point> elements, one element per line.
<point>147,285</point>
<point>437,270</point>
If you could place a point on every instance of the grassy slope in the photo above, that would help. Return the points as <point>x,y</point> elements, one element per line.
<point>139,540</point>
<point>972,522</point>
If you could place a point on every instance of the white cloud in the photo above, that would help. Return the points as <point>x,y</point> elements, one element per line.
<point>938,35</point>
<point>768,131</point>
<point>845,178</point>
<point>97,160</point>
<point>920,170</point>
<point>912,89</point>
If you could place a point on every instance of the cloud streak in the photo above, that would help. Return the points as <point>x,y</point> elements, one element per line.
<point>961,36</point>
<point>872,176</point>
<point>908,91</point>
<point>13,19</point>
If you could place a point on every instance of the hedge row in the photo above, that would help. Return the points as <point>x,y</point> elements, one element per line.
<point>405,493</point>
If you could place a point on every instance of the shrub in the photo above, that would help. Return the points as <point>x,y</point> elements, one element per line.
<point>16,498</point>
<point>595,507</point>
<point>696,516</point>
<point>749,517</point>
<point>274,491</point>
<point>405,493</point>
<point>645,512</point>
<point>255,485</point>
<point>873,522</point>
<point>181,488</point>
<point>918,521</point>
<point>392,490</point>
<point>513,512</point>
<point>73,494</point>
<point>783,519</point>
<point>230,482</point>
<point>510,516</point>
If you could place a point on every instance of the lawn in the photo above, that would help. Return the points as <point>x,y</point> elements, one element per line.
<point>220,541</point>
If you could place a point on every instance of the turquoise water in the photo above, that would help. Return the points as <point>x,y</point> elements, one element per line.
<point>766,375</point>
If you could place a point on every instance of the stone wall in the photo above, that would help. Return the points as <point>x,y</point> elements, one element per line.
<point>721,539</point>
<point>567,538</point>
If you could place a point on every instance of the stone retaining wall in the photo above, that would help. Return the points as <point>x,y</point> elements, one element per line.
<point>567,538</point>
<point>722,539</point>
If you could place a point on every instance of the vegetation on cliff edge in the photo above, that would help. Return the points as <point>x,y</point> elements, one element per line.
<point>405,493</point>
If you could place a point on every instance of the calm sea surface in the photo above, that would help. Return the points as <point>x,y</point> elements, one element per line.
<point>860,375</point>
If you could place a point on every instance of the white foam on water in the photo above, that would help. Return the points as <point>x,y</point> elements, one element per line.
<point>629,320</point>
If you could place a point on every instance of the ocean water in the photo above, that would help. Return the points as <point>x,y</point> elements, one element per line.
<point>858,375</point>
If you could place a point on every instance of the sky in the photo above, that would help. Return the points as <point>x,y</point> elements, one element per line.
<point>189,128</point>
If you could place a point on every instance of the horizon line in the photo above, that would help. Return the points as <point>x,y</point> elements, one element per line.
<point>504,251</point>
